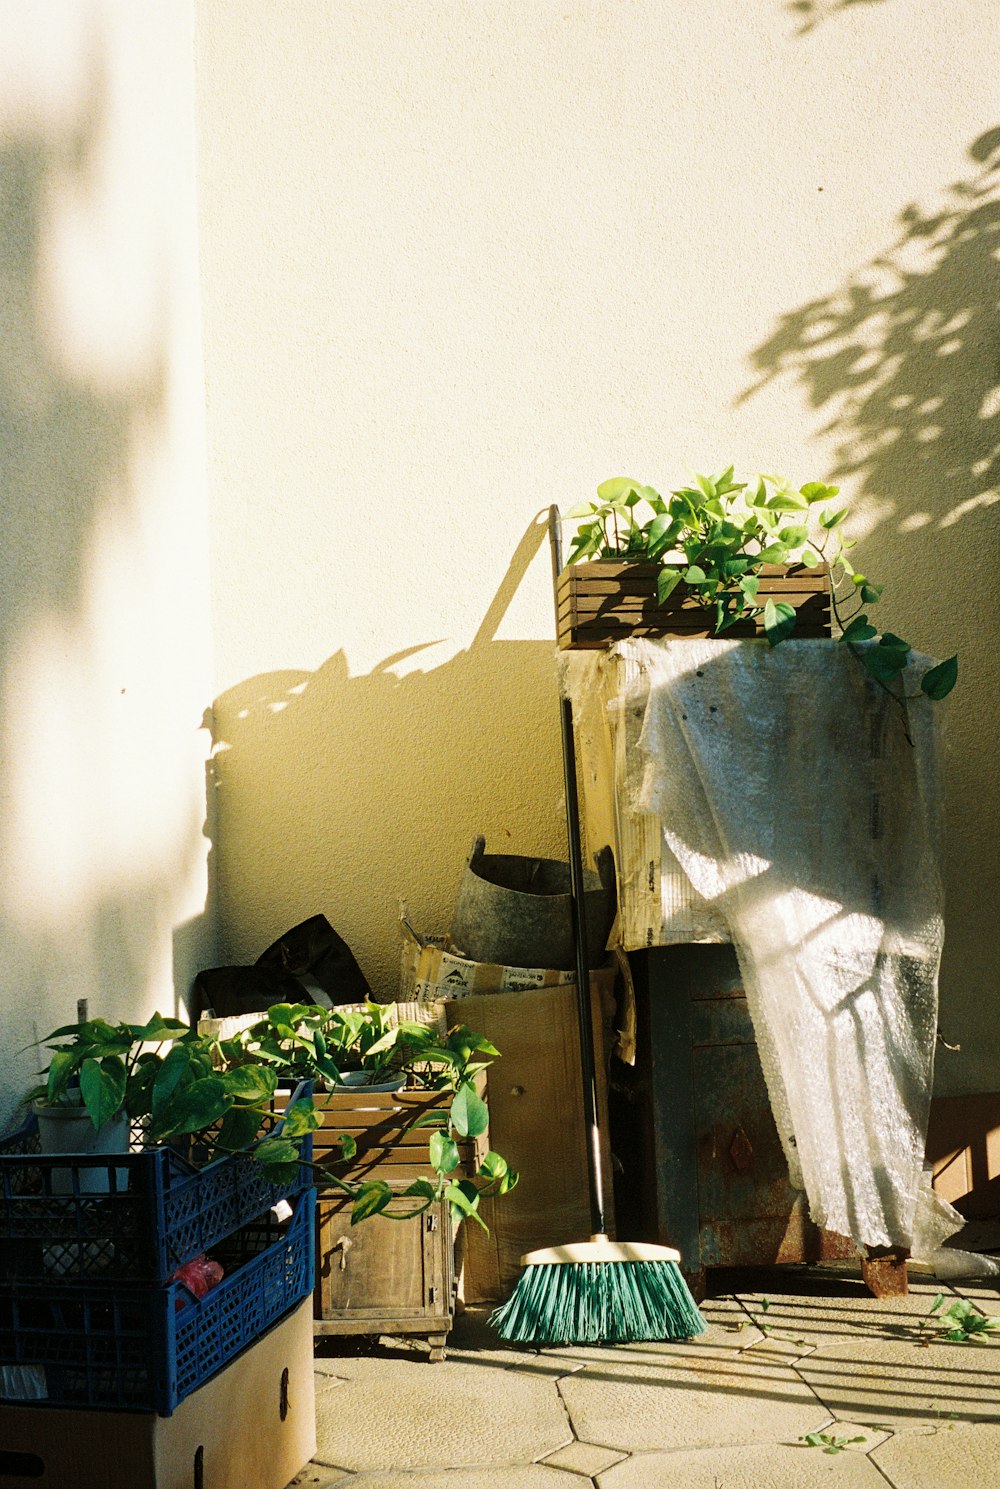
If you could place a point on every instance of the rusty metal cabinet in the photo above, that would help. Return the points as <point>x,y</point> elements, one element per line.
<point>712,1163</point>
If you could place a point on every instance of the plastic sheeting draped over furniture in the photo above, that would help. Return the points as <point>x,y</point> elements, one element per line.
<point>805,822</point>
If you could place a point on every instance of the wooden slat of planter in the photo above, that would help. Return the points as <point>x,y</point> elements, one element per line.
<point>603,602</point>
<point>646,611</point>
<point>648,585</point>
<point>378,1122</point>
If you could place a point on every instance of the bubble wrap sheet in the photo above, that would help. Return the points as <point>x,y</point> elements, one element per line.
<point>794,804</point>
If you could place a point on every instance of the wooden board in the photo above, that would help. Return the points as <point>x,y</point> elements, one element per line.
<point>600,602</point>
<point>381,1123</point>
<point>536,1122</point>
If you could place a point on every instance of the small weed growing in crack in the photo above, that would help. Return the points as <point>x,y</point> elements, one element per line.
<point>962,1322</point>
<point>752,1321</point>
<point>829,1442</point>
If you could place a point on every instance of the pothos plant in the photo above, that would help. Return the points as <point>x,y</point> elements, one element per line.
<point>170,1081</point>
<point>304,1041</point>
<point>714,536</point>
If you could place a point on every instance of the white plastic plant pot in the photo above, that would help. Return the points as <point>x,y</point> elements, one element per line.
<point>68,1129</point>
<point>361,1080</point>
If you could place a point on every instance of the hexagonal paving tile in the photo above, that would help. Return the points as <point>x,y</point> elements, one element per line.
<point>840,1308</point>
<point>690,1397</point>
<point>951,1456</point>
<point>514,1476</point>
<point>396,1414</point>
<point>897,1381</point>
<point>774,1466</point>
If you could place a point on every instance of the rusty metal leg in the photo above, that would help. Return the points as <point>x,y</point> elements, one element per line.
<point>884,1271</point>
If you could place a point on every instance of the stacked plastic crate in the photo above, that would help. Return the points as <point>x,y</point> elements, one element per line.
<point>92,1314</point>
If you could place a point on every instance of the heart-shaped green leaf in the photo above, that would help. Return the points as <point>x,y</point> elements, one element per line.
<point>667,581</point>
<point>102,1086</point>
<point>779,621</point>
<point>372,1196</point>
<point>938,682</point>
<point>444,1154</point>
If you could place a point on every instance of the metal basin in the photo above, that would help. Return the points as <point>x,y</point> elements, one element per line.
<point>517,912</point>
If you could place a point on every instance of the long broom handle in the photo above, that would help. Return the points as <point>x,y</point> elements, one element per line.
<point>594,1165</point>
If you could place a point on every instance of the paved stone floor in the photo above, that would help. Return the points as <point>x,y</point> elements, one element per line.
<point>730,1410</point>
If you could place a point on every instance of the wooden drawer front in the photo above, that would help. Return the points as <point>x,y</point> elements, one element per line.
<point>384,1271</point>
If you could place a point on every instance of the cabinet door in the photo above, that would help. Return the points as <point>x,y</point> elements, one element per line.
<point>388,1272</point>
<point>748,1211</point>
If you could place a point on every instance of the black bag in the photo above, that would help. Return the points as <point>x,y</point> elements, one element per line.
<point>308,964</point>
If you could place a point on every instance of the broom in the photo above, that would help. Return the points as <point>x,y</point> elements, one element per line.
<point>596,1291</point>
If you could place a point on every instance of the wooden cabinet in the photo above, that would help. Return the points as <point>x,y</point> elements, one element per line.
<point>385,1276</point>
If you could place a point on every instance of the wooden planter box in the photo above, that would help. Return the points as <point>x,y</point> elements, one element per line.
<point>602,602</point>
<point>379,1123</point>
<point>385,1276</point>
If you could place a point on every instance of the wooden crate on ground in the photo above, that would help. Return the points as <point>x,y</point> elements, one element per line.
<point>385,1276</point>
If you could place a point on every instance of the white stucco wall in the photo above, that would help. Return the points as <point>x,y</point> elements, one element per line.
<point>104,628</point>
<point>460,261</point>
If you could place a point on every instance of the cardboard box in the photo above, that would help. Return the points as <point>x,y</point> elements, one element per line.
<point>431,969</point>
<point>253,1426</point>
<point>535,1093</point>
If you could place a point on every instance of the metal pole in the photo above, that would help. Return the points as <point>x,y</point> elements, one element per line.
<point>594,1166</point>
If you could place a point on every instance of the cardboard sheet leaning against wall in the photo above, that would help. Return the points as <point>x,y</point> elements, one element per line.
<point>535,1097</point>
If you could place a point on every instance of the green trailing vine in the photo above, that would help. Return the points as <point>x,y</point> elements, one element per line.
<point>714,536</point>
<point>301,1041</point>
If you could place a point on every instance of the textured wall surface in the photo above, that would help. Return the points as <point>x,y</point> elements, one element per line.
<point>463,260</point>
<point>104,645</point>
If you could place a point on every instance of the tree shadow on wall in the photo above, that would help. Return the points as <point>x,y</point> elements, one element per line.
<point>812,13</point>
<point>65,448</point>
<point>346,794</point>
<point>905,357</point>
<point>904,361</point>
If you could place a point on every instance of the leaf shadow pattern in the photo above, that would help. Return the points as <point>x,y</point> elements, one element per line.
<point>68,445</point>
<point>903,361</point>
<point>904,356</point>
<point>812,13</point>
<point>348,793</point>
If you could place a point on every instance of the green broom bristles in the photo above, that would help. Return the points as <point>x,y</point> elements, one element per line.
<point>599,1302</point>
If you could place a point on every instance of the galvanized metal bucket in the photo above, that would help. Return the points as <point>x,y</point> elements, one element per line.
<point>517,912</point>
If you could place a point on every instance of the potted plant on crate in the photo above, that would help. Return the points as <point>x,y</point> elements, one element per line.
<point>726,557</point>
<point>167,1080</point>
<point>439,1071</point>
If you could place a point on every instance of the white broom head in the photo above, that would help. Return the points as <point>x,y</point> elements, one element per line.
<point>599,1249</point>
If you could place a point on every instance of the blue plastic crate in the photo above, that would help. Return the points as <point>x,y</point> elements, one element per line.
<point>125,1217</point>
<point>144,1348</point>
